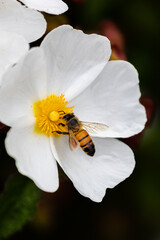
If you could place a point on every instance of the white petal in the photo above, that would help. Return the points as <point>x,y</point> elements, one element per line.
<point>113,99</point>
<point>33,156</point>
<point>111,164</point>
<point>12,48</point>
<point>18,19</point>
<point>22,85</point>
<point>49,6</point>
<point>74,59</point>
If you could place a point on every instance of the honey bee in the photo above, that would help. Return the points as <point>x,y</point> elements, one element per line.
<point>78,133</point>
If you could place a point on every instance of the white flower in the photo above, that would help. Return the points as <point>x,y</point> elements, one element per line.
<point>12,48</point>
<point>75,64</point>
<point>18,19</point>
<point>49,6</point>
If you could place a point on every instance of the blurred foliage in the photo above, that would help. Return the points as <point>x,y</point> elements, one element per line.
<point>18,204</point>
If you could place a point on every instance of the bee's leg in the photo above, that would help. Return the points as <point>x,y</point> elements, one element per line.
<point>61,124</point>
<point>59,132</point>
<point>61,112</point>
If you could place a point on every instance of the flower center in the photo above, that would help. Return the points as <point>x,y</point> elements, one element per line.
<point>49,114</point>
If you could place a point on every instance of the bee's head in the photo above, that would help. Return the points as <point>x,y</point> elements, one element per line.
<point>68,117</point>
<point>74,124</point>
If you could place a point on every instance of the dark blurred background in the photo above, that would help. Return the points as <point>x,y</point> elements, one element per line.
<point>132,209</point>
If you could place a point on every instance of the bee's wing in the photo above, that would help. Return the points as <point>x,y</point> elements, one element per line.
<point>73,142</point>
<point>94,127</point>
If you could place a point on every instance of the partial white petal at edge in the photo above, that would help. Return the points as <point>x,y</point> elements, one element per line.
<point>33,157</point>
<point>49,6</point>
<point>111,164</point>
<point>12,48</point>
<point>21,20</point>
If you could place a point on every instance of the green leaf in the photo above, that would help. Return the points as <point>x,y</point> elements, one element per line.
<point>17,204</point>
<point>95,11</point>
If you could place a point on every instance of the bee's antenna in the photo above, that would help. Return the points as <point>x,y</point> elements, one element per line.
<point>61,112</point>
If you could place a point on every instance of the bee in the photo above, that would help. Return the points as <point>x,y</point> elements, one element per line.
<point>78,133</point>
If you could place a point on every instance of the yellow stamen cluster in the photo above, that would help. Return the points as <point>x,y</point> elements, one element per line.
<point>49,114</point>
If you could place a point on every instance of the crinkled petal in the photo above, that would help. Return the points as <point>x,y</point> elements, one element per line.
<point>113,99</point>
<point>49,6</point>
<point>74,59</point>
<point>21,86</point>
<point>111,164</point>
<point>21,20</point>
<point>12,48</point>
<point>33,156</point>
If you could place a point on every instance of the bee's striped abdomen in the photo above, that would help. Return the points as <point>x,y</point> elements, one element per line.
<point>86,142</point>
